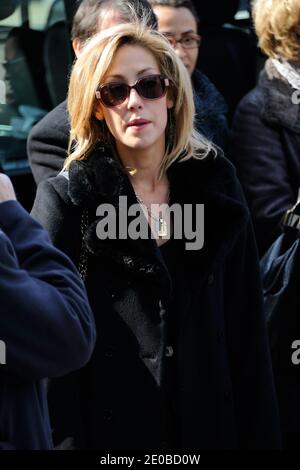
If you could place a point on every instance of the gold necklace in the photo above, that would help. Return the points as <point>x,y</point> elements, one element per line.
<point>161,226</point>
<point>131,170</point>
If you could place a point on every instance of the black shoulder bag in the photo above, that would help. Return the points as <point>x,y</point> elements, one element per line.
<point>280,270</point>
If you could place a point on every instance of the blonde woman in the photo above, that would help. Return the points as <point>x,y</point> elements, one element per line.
<point>265,143</point>
<point>181,360</point>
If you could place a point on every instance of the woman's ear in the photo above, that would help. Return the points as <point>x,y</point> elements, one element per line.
<point>170,98</point>
<point>99,114</point>
<point>170,103</point>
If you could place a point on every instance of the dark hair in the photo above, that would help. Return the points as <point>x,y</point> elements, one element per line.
<point>177,4</point>
<point>85,22</point>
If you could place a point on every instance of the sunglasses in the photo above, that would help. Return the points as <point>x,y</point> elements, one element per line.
<point>151,87</point>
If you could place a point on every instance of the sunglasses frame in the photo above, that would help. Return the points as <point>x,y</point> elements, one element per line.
<point>166,82</point>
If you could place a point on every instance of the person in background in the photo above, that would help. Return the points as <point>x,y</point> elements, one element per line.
<point>47,145</point>
<point>46,325</point>
<point>265,137</point>
<point>181,360</point>
<point>266,150</point>
<point>179,22</point>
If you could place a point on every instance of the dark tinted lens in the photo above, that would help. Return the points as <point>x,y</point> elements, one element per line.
<point>151,87</point>
<point>114,94</point>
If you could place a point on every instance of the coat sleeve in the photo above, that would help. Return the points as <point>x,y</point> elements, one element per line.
<point>257,151</point>
<point>45,321</point>
<point>48,143</point>
<point>255,401</point>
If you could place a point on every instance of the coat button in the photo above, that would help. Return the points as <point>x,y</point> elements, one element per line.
<point>210,279</point>
<point>108,353</point>
<point>169,351</point>
<point>107,415</point>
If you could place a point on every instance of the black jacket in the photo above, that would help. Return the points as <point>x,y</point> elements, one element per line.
<point>45,322</point>
<point>48,141</point>
<point>224,392</point>
<point>265,147</point>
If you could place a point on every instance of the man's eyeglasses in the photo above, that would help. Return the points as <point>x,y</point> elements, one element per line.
<point>151,87</point>
<point>192,41</point>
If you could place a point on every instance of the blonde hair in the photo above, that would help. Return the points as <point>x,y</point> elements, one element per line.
<point>275,22</point>
<point>89,71</point>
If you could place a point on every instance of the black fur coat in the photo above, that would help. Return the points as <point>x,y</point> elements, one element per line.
<point>223,385</point>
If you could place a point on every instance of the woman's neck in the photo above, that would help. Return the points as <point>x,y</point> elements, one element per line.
<point>143,166</point>
<point>151,188</point>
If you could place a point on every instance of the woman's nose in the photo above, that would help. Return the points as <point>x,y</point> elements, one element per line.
<point>134,99</point>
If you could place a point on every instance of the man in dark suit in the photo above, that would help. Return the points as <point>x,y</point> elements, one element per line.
<point>49,139</point>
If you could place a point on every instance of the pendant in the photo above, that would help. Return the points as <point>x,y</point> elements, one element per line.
<point>162,228</point>
<point>131,170</point>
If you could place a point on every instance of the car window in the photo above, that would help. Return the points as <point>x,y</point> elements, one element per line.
<point>243,12</point>
<point>35,57</point>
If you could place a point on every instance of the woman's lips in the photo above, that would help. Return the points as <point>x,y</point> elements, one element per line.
<point>138,124</point>
<point>139,127</point>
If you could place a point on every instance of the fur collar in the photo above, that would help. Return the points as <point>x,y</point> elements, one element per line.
<point>208,99</point>
<point>211,109</point>
<point>212,182</point>
<point>278,108</point>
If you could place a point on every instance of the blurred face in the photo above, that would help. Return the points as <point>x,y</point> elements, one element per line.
<point>13,63</point>
<point>179,23</point>
<point>136,123</point>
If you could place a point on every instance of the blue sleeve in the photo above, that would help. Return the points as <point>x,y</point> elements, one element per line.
<point>45,321</point>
